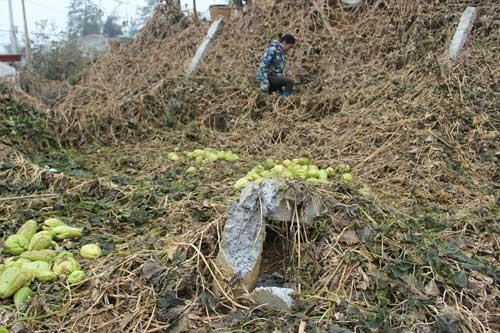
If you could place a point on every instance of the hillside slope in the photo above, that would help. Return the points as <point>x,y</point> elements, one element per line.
<point>411,246</point>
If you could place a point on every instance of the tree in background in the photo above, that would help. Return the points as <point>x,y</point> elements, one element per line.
<point>133,27</point>
<point>84,18</point>
<point>111,27</point>
<point>143,13</point>
<point>54,56</point>
<point>59,60</point>
<point>135,24</point>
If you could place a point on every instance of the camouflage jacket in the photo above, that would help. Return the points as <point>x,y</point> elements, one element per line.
<point>272,64</point>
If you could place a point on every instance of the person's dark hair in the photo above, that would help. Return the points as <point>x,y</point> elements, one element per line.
<point>287,38</point>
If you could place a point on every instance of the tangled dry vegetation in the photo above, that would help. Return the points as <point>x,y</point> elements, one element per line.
<point>112,102</point>
<point>419,254</point>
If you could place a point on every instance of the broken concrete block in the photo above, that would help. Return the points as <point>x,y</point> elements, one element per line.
<point>241,246</point>
<point>275,298</point>
<point>284,211</point>
<point>312,208</point>
<point>276,206</point>
<point>249,194</point>
<point>309,209</point>
<point>462,32</point>
<point>244,234</point>
<point>242,241</point>
<point>270,195</point>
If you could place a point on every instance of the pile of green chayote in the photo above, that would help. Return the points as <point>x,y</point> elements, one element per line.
<point>34,258</point>
<point>298,168</point>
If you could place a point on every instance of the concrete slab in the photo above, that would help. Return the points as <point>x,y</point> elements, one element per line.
<point>275,298</point>
<point>204,47</point>
<point>283,212</point>
<point>462,32</point>
<point>312,208</point>
<point>242,242</point>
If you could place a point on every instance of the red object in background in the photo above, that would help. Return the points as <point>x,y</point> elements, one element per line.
<point>10,57</point>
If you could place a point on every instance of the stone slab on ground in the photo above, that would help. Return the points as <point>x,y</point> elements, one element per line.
<point>242,241</point>
<point>297,204</point>
<point>275,298</point>
<point>312,208</point>
<point>240,250</point>
<point>283,212</point>
<point>462,32</point>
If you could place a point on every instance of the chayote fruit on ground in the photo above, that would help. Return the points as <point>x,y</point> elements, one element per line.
<point>42,240</point>
<point>13,279</point>
<point>51,223</point>
<point>22,295</point>
<point>65,264</point>
<point>91,251</point>
<point>40,255</point>
<point>76,277</point>
<point>66,232</point>
<point>16,244</point>
<point>28,229</point>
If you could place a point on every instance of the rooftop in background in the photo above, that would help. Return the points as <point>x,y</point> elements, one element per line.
<point>10,57</point>
<point>55,11</point>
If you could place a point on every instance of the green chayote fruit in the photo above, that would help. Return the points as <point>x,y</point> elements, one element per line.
<point>40,255</point>
<point>16,244</point>
<point>91,251</point>
<point>42,240</point>
<point>76,277</point>
<point>22,295</point>
<point>66,232</point>
<point>13,279</point>
<point>28,229</point>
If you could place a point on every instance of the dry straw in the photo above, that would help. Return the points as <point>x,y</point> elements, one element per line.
<point>374,91</point>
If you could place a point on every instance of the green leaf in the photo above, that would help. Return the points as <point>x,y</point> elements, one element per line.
<point>446,324</point>
<point>460,279</point>
<point>337,329</point>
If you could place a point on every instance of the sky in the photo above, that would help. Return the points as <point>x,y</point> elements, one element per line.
<point>55,11</point>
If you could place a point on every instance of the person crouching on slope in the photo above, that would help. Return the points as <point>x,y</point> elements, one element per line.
<point>270,75</point>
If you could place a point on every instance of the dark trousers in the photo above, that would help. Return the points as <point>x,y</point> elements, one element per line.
<point>280,84</point>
